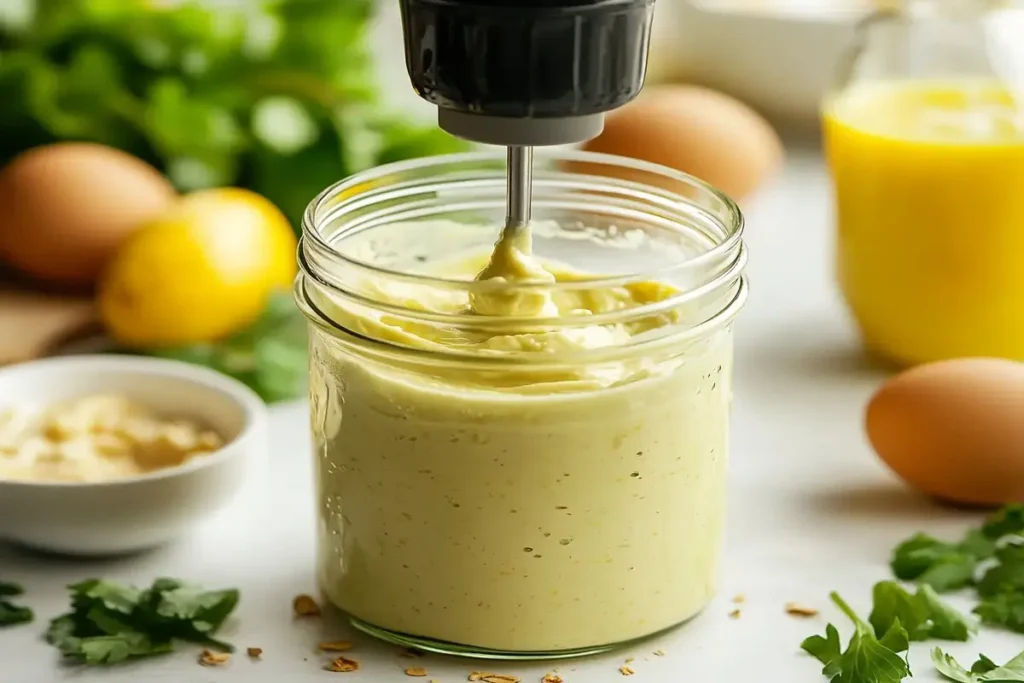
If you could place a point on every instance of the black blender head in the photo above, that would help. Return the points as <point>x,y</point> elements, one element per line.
<point>527,58</point>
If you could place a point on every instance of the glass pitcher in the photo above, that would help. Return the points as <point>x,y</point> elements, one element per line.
<point>924,137</point>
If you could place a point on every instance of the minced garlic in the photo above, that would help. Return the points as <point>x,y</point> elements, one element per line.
<point>95,438</point>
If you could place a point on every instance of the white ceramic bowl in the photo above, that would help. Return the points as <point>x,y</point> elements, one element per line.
<point>779,57</point>
<point>129,515</point>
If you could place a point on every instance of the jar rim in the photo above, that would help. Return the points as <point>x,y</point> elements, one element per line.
<point>410,192</point>
<point>319,211</point>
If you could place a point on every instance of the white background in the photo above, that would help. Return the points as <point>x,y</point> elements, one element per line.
<point>812,509</point>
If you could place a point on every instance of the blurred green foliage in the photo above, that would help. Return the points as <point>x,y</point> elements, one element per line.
<point>278,96</point>
<point>270,356</point>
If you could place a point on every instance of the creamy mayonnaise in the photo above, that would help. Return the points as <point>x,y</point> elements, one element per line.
<point>519,508</point>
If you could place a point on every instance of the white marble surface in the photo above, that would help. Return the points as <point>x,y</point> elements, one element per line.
<point>811,510</point>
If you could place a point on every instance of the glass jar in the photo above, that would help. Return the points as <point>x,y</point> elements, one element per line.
<point>492,486</point>
<point>924,137</point>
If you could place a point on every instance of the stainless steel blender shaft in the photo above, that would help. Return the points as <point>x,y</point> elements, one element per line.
<point>520,186</point>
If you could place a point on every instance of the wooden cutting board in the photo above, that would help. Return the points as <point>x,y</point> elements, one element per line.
<point>34,324</point>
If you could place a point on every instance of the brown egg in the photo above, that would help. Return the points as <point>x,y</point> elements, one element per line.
<point>954,429</point>
<point>65,209</point>
<point>698,131</point>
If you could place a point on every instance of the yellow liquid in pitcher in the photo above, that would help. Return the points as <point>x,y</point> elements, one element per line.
<point>929,185</point>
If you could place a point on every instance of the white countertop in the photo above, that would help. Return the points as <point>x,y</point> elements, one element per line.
<point>812,510</point>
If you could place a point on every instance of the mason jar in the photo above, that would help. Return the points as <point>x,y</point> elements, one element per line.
<point>924,135</point>
<point>532,486</point>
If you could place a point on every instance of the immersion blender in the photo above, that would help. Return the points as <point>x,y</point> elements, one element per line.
<point>526,73</point>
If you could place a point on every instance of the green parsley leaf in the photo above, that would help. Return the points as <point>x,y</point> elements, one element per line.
<point>979,545</point>
<point>947,665</point>
<point>924,615</point>
<point>1004,609</point>
<point>61,634</point>
<point>946,622</point>
<point>113,596</point>
<point>983,665</point>
<point>941,565</point>
<point>11,614</point>
<point>1008,521</point>
<point>119,647</point>
<point>111,622</point>
<point>867,659</point>
<point>890,603</point>
<point>983,671</point>
<point>826,649</point>
<point>1007,576</point>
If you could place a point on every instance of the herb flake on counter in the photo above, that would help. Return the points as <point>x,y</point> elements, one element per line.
<point>211,658</point>
<point>110,622</point>
<point>10,613</point>
<point>305,606</point>
<point>342,665</point>
<point>983,671</point>
<point>923,614</point>
<point>795,609</point>
<point>867,658</point>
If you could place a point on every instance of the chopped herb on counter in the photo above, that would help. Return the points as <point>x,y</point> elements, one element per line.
<point>11,614</point>
<point>983,671</point>
<point>995,552</point>
<point>110,622</point>
<point>924,615</point>
<point>943,566</point>
<point>867,658</point>
<point>1005,609</point>
<point>1007,576</point>
<point>949,566</point>
<point>989,558</point>
<point>1008,521</point>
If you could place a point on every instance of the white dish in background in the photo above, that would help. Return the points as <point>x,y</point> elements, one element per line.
<point>779,57</point>
<point>141,512</point>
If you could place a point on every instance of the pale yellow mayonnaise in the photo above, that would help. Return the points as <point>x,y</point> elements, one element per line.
<point>515,508</point>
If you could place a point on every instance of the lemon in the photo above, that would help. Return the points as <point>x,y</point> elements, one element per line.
<point>198,273</point>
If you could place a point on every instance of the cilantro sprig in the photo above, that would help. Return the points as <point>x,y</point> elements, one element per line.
<point>941,565</point>
<point>990,558</point>
<point>924,614</point>
<point>867,658</point>
<point>110,622</point>
<point>983,671</point>
<point>10,613</point>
